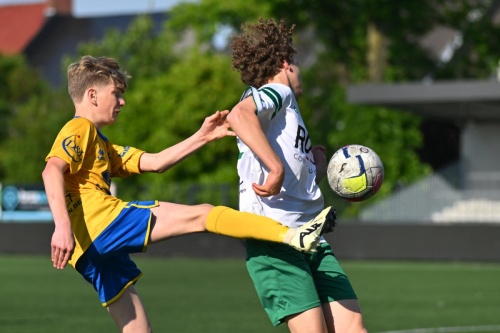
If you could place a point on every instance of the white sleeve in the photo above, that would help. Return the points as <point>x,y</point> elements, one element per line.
<point>256,98</point>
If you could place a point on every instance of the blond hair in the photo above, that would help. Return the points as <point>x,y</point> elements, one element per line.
<point>94,71</point>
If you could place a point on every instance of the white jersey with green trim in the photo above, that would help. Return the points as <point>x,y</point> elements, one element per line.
<point>300,198</point>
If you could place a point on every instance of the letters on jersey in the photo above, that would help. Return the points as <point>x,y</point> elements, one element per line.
<point>279,116</point>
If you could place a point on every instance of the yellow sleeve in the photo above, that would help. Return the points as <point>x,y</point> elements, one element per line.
<point>124,160</point>
<point>71,143</point>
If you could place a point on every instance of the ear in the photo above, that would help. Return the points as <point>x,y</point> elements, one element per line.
<point>287,66</point>
<point>91,95</point>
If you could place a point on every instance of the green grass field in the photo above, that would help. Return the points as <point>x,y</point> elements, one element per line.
<point>196,295</point>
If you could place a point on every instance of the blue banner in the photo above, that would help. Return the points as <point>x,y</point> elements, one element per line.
<point>24,203</point>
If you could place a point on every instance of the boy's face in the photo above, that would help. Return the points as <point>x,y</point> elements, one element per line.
<point>109,101</point>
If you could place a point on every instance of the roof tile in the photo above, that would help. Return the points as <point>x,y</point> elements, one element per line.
<point>18,25</point>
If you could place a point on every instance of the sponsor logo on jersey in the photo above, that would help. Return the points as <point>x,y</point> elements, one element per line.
<point>106,175</point>
<point>125,150</point>
<point>99,187</point>
<point>72,149</point>
<point>242,190</point>
<point>304,145</point>
<point>100,155</point>
<point>304,160</point>
<point>72,204</point>
<point>302,140</point>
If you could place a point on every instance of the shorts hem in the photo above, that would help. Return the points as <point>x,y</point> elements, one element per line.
<point>295,311</point>
<point>114,299</point>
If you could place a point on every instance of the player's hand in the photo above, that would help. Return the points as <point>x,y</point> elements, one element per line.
<point>63,245</point>
<point>319,156</point>
<point>215,126</point>
<point>272,185</point>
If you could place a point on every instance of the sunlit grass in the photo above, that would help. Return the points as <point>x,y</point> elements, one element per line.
<point>201,295</point>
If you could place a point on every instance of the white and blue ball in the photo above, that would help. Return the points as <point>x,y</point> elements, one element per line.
<point>355,172</point>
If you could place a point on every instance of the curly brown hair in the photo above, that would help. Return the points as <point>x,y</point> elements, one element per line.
<point>260,49</point>
<point>91,71</point>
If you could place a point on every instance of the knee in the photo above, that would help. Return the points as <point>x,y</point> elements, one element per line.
<point>204,210</point>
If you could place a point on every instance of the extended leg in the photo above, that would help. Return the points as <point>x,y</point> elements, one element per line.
<point>171,220</point>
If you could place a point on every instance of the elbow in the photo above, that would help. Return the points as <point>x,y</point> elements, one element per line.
<point>153,169</point>
<point>156,168</point>
<point>232,116</point>
<point>162,170</point>
<point>151,163</point>
<point>45,174</point>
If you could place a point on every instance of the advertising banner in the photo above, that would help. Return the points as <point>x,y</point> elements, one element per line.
<point>24,203</point>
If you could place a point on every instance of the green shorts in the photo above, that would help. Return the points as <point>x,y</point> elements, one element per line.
<point>289,282</point>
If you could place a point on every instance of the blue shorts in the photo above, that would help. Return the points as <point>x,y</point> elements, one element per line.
<point>106,264</point>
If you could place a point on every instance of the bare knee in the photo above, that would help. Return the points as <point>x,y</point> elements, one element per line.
<point>129,314</point>
<point>344,316</point>
<point>204,209</point>
<point>311,320</point>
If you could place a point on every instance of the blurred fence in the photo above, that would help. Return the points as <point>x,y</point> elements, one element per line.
<point>441,217</point>
<point>443,197</point>
<point>21,203</point>
<point>358,241</point>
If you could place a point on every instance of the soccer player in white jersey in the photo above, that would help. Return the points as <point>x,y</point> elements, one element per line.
<point>279,172</point>
<point>95,231</point>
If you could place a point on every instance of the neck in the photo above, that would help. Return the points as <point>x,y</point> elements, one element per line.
<point>86,112</point>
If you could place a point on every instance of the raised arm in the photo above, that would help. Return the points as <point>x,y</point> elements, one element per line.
<point>63,243</point>
<point>214,127</point>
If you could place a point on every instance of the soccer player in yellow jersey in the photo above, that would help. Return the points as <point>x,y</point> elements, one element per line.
<point>95,232</point>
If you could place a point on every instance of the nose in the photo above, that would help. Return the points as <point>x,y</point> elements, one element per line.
<point>121,100</point>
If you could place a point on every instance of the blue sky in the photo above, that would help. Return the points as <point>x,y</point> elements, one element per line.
<point>106,7</point>
<point>85,8</point>
<point>100,7</point>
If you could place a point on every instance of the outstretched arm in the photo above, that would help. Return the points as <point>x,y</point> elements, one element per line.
<point>214,127</point>
<point>63,243</point>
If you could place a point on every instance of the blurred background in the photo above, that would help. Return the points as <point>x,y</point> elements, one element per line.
<point>417,81</point>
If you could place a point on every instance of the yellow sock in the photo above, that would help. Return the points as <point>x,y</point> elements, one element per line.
<point>233,223</point>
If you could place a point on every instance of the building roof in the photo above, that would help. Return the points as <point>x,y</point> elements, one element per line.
<point>19,24</point>
<point>450,100</point>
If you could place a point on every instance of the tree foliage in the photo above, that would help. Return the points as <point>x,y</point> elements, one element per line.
<point>339,45</point>
<point>167,102</point>
<point>478,55</point>
<point>29,110</point>
<point>337,34</point>
<point>180,76</point>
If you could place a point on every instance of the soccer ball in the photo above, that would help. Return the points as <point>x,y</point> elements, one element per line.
<point>355,172</point>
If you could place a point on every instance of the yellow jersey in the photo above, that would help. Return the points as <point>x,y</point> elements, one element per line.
<point>93,160</point>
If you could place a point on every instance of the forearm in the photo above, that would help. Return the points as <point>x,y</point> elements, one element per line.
<point>167,158</point>
<point>63,243</point>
